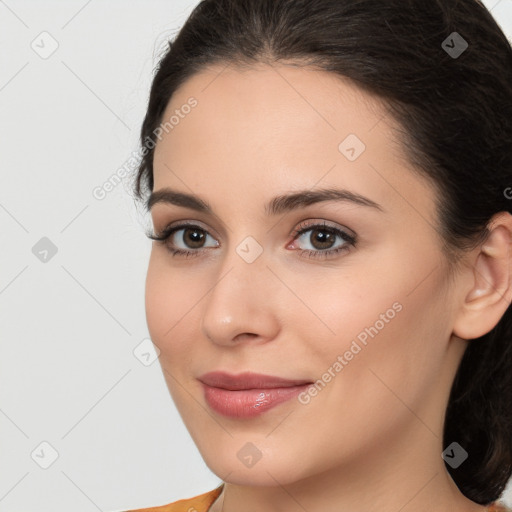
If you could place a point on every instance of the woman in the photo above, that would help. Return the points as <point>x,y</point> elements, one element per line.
<point>329,183</point>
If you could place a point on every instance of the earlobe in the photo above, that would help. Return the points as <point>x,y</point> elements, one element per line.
<point>491,282</point>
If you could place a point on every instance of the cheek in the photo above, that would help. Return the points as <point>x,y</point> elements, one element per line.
<point>364,329</point>
<point>378,329</point>
<point>170,297</point>
<point>392,380</point>
<point>157,299</point>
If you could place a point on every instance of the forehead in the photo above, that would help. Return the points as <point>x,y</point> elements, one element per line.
<point>270,127</point>
<point>286,112</point>
<point>282,95</point>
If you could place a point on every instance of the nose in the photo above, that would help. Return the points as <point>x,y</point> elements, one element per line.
<point>241,303</point>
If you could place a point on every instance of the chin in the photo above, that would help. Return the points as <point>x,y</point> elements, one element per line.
<point>233,464</point>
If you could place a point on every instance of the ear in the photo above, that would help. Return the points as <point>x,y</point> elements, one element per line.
<point>488,290</point>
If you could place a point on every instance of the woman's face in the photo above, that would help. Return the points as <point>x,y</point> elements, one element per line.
<point>370,324</point>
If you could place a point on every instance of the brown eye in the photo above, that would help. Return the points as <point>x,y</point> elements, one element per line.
<point>193,238</point>
<point>322,239</point>
<point>189,243</point>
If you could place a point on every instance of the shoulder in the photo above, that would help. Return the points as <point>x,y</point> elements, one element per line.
<point>200,503</point>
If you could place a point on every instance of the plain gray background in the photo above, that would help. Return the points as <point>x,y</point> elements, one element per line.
<point>77,392</point>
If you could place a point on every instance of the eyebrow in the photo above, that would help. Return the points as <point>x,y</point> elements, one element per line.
<point>276,206</point>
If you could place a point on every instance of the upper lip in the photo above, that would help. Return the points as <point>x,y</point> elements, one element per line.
<point>248,380</point>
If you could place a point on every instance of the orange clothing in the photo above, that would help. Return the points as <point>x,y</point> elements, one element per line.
<point>204,501</point>
<point>199,503</point>
<point>495,507</point>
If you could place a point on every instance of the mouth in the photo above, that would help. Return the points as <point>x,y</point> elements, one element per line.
<point>248,380</point>
<point>247,395</point>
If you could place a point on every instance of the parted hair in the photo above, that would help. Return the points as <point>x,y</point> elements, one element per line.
<point>443,70</point>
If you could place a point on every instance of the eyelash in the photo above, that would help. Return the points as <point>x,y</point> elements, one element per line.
<point>350,240</point>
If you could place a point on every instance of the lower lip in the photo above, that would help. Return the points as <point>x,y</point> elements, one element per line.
<point>248,403</point>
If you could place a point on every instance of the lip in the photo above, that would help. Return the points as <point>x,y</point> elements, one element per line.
<point>248,380</point>
<point>248,394</point>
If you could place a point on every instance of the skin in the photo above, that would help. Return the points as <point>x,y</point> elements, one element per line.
<point>371,440</point>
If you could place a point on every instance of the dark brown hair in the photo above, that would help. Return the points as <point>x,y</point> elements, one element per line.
<point>454,108</point>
